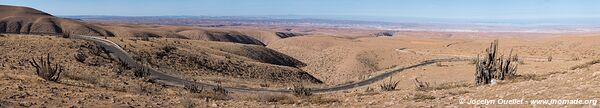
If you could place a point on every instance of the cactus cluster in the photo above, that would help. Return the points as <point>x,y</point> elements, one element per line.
<point>493,66</point>
<point>46,70</point>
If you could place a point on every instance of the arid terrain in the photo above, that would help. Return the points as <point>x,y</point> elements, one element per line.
<point>281,65</point>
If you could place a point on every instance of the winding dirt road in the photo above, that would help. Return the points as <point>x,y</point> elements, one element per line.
<point>118,53</point>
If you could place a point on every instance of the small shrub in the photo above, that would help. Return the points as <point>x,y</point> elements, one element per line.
<point>82,76</point>
<point>369,89</point>
<point>145,38</point>
<point>141,72</point>
<point>46,70</point>
<point>66,35</point>
<point>220,90</point>
<point>575,59</point>
<point>121,66</point>
<point>443,86</point>
<point>300,90</point>
<point>528,77</point>
<point>440,65</point>
<point>421,86</point>
<point>188,103</point>
<point>460,92</point>
<point>80,56</point>
<point>264,85</point>
<point>585,65</point>
<point>273,98</point>
<point>165,51</point>
<point>320,100</point>
<point>549,58</point>
<point>168,48</point>
<point>515,58</point>
<point>194,88</point>
<point>420,96</point>
<point>389,86</point>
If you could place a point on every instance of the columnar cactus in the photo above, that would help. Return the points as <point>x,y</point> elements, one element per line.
<point>492,67</point>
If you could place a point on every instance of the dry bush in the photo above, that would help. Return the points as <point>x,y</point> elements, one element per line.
<point>188,103</point>
<point>518,60</point>
<point>141,72</point>
<point>121,66</point>
<point>66,34</point>
<point>585,65</point>
<point>369,89</point>
<point>264,85</point>
<point>389,86</point>
<point>275,98</point>
<point>421,96</point>
<point>321,100</point>
<point>46,70</point>
<point>421,86</point>
<point>148,88</point>
<point>217,93</point>
<point>537,77</point>
<point>281,98</point>
<point>450,85</point>
<point>145,38</point>
<point>527,77</point>
<point>80,56</point>
<point>549,58</point>
<point>459,92</point>
<point>575,58</point>
<point>93,55</point>
<point>194,88</point>
<point>440,65</point>
<point>493,66</point>
<point>220,90</point>
<point>443,86</point>
<point>300,90</point>
<point>165,51</point>
<point>82,76</point>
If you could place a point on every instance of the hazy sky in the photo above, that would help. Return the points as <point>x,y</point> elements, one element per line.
<point>463,9</point>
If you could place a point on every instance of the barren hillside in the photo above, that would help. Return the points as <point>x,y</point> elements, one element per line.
<point>14,19</point>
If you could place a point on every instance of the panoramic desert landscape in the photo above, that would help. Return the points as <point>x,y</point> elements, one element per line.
<point>56,61</point>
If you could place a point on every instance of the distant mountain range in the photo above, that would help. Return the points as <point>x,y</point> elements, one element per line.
<point>386,23</point>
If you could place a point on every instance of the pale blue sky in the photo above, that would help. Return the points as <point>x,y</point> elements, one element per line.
<point>461,9</point>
